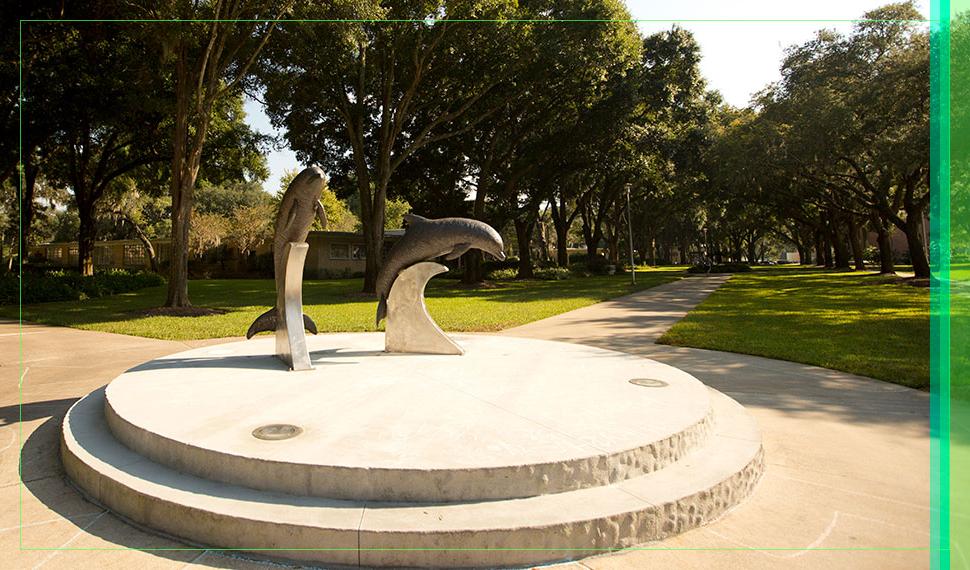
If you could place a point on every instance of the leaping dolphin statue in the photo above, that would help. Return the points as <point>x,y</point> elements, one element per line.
<point>299,206</point>
<point>428,239</point>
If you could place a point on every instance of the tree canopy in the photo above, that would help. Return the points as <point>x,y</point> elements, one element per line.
<point>539,127</point>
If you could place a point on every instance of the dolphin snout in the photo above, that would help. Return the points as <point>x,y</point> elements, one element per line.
<point>499,256</point>
<point>315,172</point>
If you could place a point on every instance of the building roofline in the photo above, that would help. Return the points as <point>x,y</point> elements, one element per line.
<point>165,240</point>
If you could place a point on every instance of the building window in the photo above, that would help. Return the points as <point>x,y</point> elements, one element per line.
<point>358,251</point>
<point>339,251</point>
<point>72,252</point>
<point>102,256</point>
<point>57,253</point>
<point>134,254</point>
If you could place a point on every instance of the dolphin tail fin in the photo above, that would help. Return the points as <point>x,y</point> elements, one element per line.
<point>265,322</point>
<point>308,324</point>
<point>381,310</point>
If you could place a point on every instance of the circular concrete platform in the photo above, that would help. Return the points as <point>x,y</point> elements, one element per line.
<point>518,452</point>
<point>540,417</point>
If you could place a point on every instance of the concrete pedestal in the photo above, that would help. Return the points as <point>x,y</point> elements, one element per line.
<point>519,452</point>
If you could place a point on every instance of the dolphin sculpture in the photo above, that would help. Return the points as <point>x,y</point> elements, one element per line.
<point>428,239</point>
<point>299,206</point>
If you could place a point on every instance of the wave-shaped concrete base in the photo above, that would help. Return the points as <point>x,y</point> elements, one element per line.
<point>519,452</point>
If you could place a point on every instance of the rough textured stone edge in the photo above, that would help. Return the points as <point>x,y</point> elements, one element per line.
<point>567,541</point>
<point>473,548</point>
<point>409,485</point>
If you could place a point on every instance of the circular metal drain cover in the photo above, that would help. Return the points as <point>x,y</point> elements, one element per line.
<point>275,432</point>
<point>648,382</point>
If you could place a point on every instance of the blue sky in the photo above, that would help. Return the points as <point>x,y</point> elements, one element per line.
<point>738,57</point>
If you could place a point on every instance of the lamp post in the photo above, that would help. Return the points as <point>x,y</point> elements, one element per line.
<point>629,227</point>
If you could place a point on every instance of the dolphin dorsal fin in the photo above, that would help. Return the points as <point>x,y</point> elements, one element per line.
<point>414,219</point>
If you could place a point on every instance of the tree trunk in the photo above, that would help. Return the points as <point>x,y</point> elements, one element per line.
<point>614,245</point>
<point>184,158</point>
<point>819,249</point>
<point>840,247</point>
<point>736,250</point>
<point>827,250</point>
<point>473,260</point>
<point>752,251</point>
<point>543,243</point>
<point>523,237</point>
<point>178,279</point>
<point>914,239</point>
<point>86,238</point>
<point>884,243</point>
<point>27,206</point>
<point>147,244</point>
<point>858,247</point>
<point>562,252</point>
<point>592,236</point>
<point>374,247</point>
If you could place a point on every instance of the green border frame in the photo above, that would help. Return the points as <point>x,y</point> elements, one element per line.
<point>941,525</point>
<point>939,285</point>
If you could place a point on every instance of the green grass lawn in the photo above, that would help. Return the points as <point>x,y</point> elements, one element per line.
<point>960,334</point>
<point>336,305</point>
<point>855,321</point>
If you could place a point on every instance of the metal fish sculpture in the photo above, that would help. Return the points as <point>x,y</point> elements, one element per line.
<point>299,206</point>
<point>428,239</point>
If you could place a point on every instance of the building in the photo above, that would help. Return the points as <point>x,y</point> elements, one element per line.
<point>340,254</point>
<point>331,254</point>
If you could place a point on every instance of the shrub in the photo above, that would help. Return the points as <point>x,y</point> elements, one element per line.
<point>545,273</point>
<point>510,262</point>
<point>720,268</point>
<point>871,254</point>
<point>599,265</point>
<point>61,285</point>
<point>553,273</point>
<point>503,274</point>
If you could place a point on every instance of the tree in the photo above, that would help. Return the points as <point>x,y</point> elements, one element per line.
<point>207,231</point>
<point>143,213</point>
<point>30,126</point>
<point>251,226</point>
<point>210,61</point>
<point>570,90</point>
<point>394,215</point>
<point>107,120</point>
<point>388,90</point>
<point>851,118</point>
<point>227,198</point>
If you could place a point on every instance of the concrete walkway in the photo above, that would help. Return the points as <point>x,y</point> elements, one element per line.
<point>848,457</point>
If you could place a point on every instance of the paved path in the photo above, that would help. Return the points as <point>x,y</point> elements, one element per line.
<point>848,457</point>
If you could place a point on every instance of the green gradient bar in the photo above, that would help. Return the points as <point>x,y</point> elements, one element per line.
<point>957,149</point>
<point>939,285</point>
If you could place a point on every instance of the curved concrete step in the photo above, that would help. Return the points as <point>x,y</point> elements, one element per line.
<point>692,491</point>
<point>511,418</point>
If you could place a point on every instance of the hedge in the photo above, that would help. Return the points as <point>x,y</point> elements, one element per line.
<point>61,285</point>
